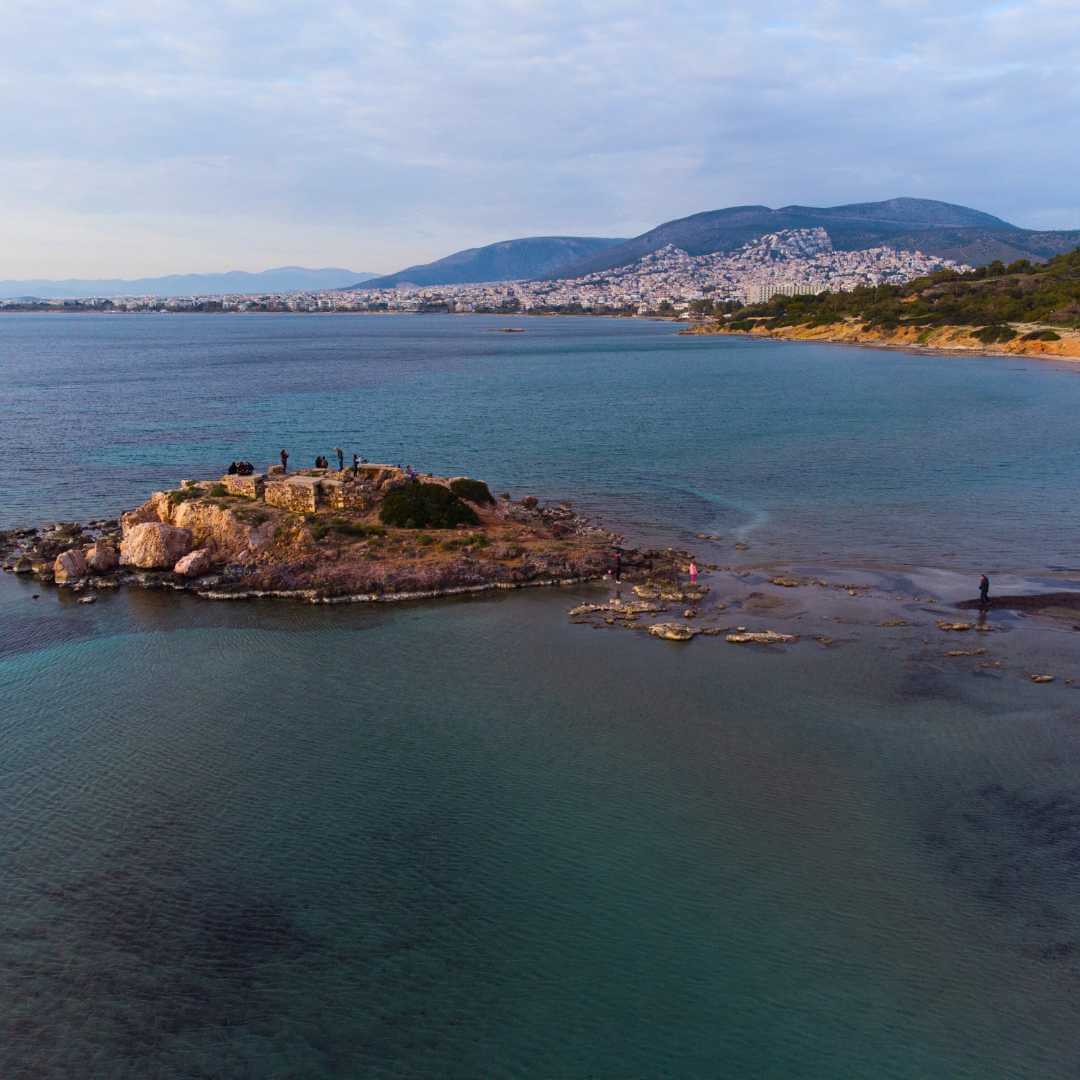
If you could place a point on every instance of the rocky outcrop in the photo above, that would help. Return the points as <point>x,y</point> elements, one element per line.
<point>102,557</point>
<point>856,331</point>
<point>69,566</point>
<point>222,530</point>
<point>673,631</point>
<point>760,637</point>
<point>153,545</point>
<point>195,564</point>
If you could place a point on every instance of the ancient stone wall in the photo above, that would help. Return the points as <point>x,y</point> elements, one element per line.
<point>249,486</point>
<point>299,494</point>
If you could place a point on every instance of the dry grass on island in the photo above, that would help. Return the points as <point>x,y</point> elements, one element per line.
<point>371,533</point>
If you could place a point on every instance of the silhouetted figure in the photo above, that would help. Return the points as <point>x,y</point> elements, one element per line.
<point>618,566</point>
<point>284,460</point>
<point>356,464</point>
<point>233,469</point>
<point>984,590</point>
<point>340,458</point>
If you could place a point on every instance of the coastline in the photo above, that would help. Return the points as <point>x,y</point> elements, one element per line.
<point>946,340</point>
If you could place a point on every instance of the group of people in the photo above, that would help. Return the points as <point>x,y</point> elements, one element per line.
<point>322,462</point>
<point>241,468</point>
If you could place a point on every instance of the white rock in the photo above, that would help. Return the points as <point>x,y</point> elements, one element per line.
<point>69,566</point>
<point>194,564</point>
<point>154,546</point>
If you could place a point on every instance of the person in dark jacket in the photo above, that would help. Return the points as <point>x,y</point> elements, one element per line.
<point>356,464</point>
<point>284,460</point>
<point>233,470</point>
<point>984,590</point>
<point>340,458</point>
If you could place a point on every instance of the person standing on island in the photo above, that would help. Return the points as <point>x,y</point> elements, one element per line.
<point>984,590</point>
<point>618,567</point>
<point>356,464</point>
<point>284,460</point>
<point>693,572</point>
<point>340,458</point>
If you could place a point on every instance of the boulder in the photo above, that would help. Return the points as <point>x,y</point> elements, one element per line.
<point>23,565</point>
<point>194,564</point>
<point>154,546</point>
<point>672,631</point>
<point>69,566</point>
<point>102,557</point>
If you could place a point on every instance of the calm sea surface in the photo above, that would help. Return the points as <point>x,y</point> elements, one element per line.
<point>468,839</point>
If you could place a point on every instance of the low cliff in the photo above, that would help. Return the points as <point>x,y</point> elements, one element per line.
<point>945,338</point>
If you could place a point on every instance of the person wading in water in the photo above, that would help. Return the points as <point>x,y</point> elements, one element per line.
<point>984,590</point>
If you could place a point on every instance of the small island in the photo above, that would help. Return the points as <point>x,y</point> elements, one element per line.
<point>373,532</point>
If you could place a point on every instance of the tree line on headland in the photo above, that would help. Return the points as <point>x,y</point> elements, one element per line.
<point>990,297</point>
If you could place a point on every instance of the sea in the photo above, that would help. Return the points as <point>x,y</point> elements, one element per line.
<point>470,838</point>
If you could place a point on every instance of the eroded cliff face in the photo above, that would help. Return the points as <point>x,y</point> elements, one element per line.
<point>220,530</point>
<point>945,338</point>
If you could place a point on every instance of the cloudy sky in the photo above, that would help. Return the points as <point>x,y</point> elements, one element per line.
<point>142,137</point>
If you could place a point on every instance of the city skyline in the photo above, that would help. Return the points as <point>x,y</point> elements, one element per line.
<point>143,140</point>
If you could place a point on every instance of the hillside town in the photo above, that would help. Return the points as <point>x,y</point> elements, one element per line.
<point>666,281</point>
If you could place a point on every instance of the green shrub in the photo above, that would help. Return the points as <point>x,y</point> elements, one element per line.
<point>219,491</point>
<point>182,495</point>
<point>741,324</point>
<point>1041,335</point>
<point>424,540</point>
<point>997,333</point>
<point>474,490</point>
<point>425,506</point>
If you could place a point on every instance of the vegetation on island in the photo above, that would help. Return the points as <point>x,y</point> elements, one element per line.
<point>474,490</point>
<point>991,297</point>
<point>425,506</point>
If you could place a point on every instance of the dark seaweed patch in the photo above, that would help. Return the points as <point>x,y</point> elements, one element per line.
<point>1018,851</point>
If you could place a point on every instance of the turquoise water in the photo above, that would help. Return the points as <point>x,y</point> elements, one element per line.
<point>809,451</point>
<point>469,839</point>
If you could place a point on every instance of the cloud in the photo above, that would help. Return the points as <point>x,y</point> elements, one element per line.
<point>211,136</point>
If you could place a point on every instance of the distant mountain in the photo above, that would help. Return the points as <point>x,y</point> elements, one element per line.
<point>280,279</point>
<point>935,228</point>
<point>509,260</point>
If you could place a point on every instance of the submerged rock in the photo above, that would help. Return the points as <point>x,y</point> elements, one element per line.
<point>760,637</point>
<point>957,627</point>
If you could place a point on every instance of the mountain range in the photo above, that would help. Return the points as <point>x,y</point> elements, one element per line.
<point>935,228</point>
<point>531,257</point>
<point>280,279</point>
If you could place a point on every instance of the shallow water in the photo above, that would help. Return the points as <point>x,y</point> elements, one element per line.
<point>470,839</point>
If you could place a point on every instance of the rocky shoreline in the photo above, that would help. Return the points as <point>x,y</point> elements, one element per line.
<point>943,339</point>
<point>324,536</point>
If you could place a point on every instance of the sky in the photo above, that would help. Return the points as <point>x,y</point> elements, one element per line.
<point>141,137</point>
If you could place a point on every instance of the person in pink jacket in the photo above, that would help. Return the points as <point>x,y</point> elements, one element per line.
<point>693,572</point>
